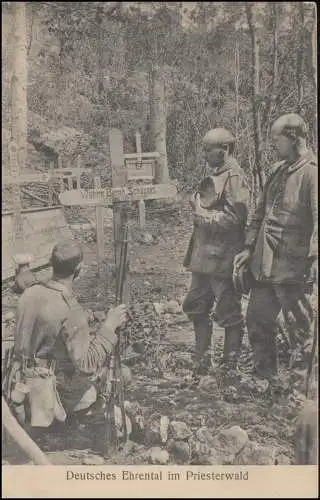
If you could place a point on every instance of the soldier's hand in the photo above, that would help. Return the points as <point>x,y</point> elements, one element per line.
<point>117,316</point>
<point>312,270</point>
<point>195,203</point>
<point>192,202</point>
<point>241,258</point>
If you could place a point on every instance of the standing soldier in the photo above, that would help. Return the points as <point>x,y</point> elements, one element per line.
<point>215,241</point>
<point>282,246</point>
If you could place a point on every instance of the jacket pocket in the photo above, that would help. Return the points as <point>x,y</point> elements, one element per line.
<point>214,252</point>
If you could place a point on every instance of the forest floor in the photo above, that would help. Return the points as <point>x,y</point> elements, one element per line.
<point>160,346</point>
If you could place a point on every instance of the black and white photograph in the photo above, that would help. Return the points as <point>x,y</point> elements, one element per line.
<point>160,237</point>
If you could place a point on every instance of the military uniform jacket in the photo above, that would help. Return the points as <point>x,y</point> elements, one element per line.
<point>284,229</point>
<point>51,324</point>
<point>214,245</point>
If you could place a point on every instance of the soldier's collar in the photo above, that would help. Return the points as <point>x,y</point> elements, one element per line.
<point>298,163</point>
<point>220,170</point>
<point>59,287</point>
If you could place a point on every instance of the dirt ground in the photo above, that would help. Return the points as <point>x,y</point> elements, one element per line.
<point>159,351</point>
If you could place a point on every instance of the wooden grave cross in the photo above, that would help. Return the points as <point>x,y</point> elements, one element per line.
<point>124,167</point>
<point>16,180</point>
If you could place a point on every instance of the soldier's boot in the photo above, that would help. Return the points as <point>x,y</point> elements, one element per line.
<point>203,332</point>
<point>231,353</point>
<point>266,367</point>
<point>266,360</point>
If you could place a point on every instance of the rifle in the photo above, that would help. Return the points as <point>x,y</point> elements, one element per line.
<point>115,363</point>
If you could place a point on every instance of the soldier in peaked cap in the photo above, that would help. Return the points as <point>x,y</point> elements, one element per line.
<point>54,353</point>
<point>281,247</point>
<point>219,215</point>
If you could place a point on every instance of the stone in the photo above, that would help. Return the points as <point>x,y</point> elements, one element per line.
<point>119,422</point>
<point>180,451</point>
<point>139,347</point>
<point>204,435</point>
<point>261,385</point>
<point>282,459</point>
<point>152,431</point>
<point>159,307</point>
<point>90,316</point>
<point>179,430</point>
<point>126,375</point>
<point>133,410</point>
<point>164,426</point>
<point>99,315</point>
<point>128,448</point>
<point>158,456</point>
<point>202,453</point>
<point>228,443</point>
<point>9,316</point>
<point>93,460</point>
<point>131,356</point>
<point>173,307</point>
<point>76,226</point>
<point>255,454</point>
<point>208,383</point>
<point>146,238</point>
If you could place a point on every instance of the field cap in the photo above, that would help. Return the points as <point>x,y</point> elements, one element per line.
<point>66,251</point>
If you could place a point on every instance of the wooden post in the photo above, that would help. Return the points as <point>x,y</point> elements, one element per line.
<point>79,173</point>
<point>142,214</point>
<point>141,203</point>
<point>50,184</point>
<point>119,179</point>
<point>62,186</point>
<point>99,229</point>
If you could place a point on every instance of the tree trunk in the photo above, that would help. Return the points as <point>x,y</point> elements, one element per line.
<point>19,435</point>
<point>158,121</point>
<point>236,86</point>
<point>255,71</point>
<point>19,118</point>
<point>300,55</point>
<point>314,77</point>
<point>275,64</point>
<point>100,82</point>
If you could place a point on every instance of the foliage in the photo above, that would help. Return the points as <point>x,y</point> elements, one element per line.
<point>89,64</point>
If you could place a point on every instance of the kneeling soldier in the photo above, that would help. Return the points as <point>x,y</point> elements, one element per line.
<point>54,353</point>
<point>217,237</point>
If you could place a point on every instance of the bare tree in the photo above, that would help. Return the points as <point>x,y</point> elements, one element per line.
<point>236,85</point>
<point>275,65</point>
<point>158,118</point>
<point>255,72</point>
<point>19,118</point>
<point>300,56</point>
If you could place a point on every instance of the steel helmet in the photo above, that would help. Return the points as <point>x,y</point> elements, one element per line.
<point>291,125</point>
<point>218,136</point>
